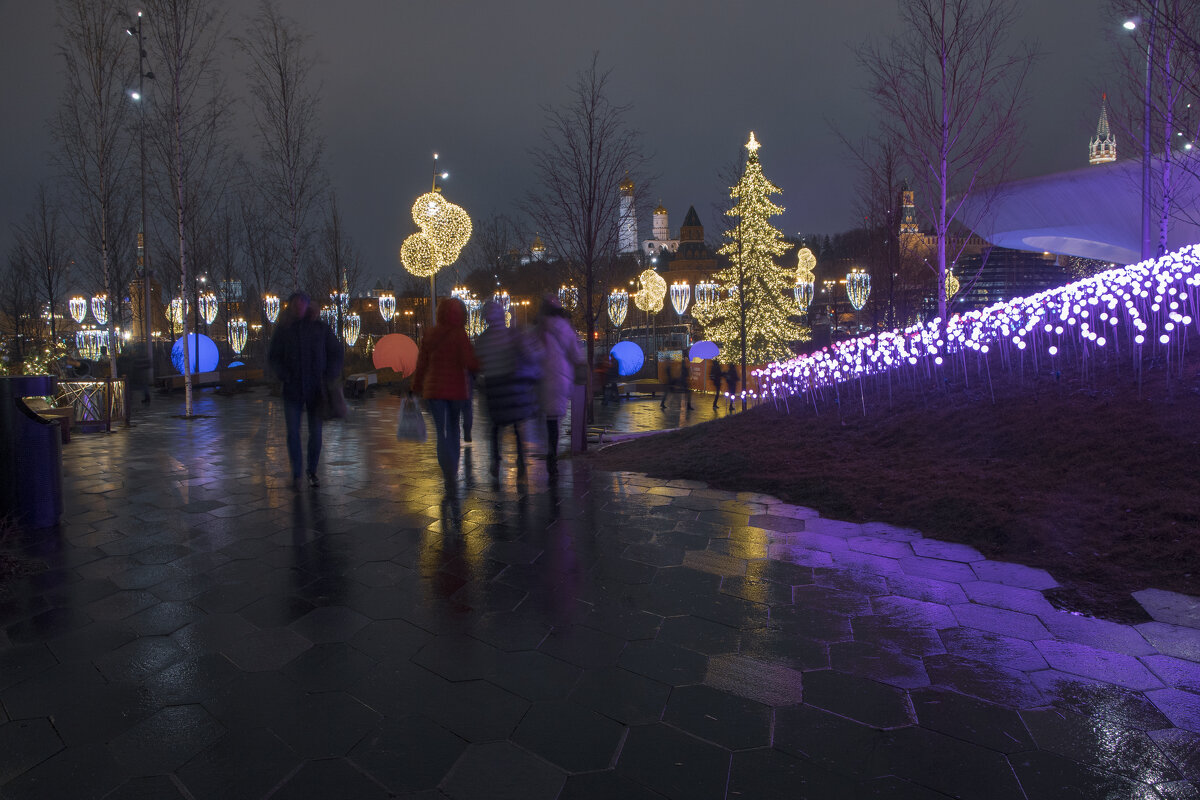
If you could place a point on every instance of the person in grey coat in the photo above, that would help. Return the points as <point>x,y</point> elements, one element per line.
<point>560,353</point>
<point>509,380</point>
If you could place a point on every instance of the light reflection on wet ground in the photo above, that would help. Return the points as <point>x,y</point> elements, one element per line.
<point>202,625</point>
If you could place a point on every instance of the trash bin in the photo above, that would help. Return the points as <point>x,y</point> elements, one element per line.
<point>30,454</point>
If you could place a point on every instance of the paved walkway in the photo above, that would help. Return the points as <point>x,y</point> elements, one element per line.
<point>204,632</point>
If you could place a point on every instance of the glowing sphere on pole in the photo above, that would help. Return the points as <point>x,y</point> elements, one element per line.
<point>650,297</point>
<point>703,350</point>
<point>207,348</point>
<point>396,352</point>
<point>629,358</point>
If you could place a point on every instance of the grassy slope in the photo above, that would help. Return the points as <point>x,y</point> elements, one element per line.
<point>1098,487</point>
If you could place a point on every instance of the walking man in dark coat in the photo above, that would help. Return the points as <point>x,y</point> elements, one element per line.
<point>306,357</point>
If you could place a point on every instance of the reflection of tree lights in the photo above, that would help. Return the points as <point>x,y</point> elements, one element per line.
<point>100,309</point>
<point>271,307</point>
<point>1150,304</point>
<point>351,327</point>
<point>681,295</point>
<point>78,307</point>
<point>237,334</point>
<point>858,288</point>
<point>618,306</point>
<point>387,306</point>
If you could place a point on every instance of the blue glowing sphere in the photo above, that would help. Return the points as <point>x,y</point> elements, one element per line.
<point>233,364</point>
<point>207,348</point>
<point>629,358</point>
<point>703,350</point>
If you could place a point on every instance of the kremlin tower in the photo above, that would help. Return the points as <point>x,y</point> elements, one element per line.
<point>627,234</point>
<point>1103,148</point>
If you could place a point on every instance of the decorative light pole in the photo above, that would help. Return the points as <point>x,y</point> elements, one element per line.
<point>100,309</point>
<point>387,308</point>
<point>237,334</point>
<point>143,264</point>
<point>681,295</point>
<point>618,306</point>
<point>568,297</point>
<point>79,308</point>
<point>706,301</point>
<point>270,307</point>
<point>351,328</point>
<point>806,279</point>
<point>444,231</point>
<point>858,288</point>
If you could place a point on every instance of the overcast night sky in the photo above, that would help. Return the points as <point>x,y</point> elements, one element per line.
<point>402,79</point>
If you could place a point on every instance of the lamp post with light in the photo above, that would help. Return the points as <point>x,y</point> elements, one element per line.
<point>140,98</point>
<point>1132,25</point>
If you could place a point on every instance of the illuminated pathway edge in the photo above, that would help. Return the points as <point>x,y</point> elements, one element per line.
<point>203,632</point>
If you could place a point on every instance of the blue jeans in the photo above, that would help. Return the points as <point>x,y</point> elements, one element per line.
<point>291,417</point>
<point>445,415</point>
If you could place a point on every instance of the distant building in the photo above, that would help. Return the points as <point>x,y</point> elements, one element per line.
<point>380,290</point>
<point>692,260</point>
<point>1007,274</point>
<point>1102,149</point>
<point>661,232</point>
<point>627,233</point>
<point>908,215</point>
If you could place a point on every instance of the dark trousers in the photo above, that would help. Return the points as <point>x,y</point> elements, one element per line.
<point>552,445</point>
<point>445,415</point>
<point>496,431</point>
<point>291,417</point>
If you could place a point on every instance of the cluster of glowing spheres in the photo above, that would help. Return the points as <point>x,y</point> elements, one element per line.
<point>858,288</point>
<point>629,358</point>
<point>176,310</point>
<point>706,301</point>
<point>568,297</point>
<point>100,309</point>
<point>237,334</point>
<point>387,306</point>
<point>78,308</point>
<point>208,307</point>
<point>270,307</point>
<point>445,229</point>
<point>351,328</point>
<point>654,289</point>
<point>1145,305</point>
<point>681,295</point>
<point>618,306</point>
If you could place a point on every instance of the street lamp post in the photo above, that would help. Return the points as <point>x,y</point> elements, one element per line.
<point>1130,25</point>
<point>143,264</point>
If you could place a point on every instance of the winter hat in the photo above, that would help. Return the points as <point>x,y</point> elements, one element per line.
<point>493,312</point>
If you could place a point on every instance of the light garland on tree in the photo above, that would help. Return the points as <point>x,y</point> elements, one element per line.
<point>858,288</point>
<point>762,302</point>
<point>237,334</point>
<point>78,307</point>
<point>270,307</point>
<point>100,309</point>
<point>208,307</point>
<point>351,328</point>
<point>618,306</point>
<point>806,279</point>
<point>89,342</point>
<point>952,284</point>
<point>653,292</point>
<point>681,295</point>
<point>706,301</point>
<point>387,306</point>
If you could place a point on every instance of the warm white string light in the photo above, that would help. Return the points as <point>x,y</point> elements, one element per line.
<point>681,295</point>
<point>351,328</point>
<point>208,307</point>
<point>237,334</point>
<point>618,306</point>
<point>78,307</point>
<point>387,306</point>
<point>100,309</point>
<point>271,307</point>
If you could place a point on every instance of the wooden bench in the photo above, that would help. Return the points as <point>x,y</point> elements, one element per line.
<point>228,379</point>
<point>648,386</point>
<point>64,416</point>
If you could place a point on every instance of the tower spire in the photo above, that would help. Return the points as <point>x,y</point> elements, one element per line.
<point>1103,147</point>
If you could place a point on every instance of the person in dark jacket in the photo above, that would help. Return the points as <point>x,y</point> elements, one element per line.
<point>306,357</point>
<point>509,380</point>
<point>732,378</point>
<point>716,374</point>
<point>443,365</point>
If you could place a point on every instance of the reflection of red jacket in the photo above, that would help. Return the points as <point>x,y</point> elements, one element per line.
<point>446,355</point>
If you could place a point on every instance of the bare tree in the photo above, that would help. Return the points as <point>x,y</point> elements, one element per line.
<point>92,131</point>
<point>262,248</point>
<point>494,250</point>
<point>42,252</point>
<point>950,87</point>
<point>185,34</point>
<point>337,269</point>
<point>285,116</point>
<point>19,303</point>
<point>587,149</point>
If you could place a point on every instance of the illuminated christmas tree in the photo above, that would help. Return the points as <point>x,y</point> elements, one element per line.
<point>751,319</point>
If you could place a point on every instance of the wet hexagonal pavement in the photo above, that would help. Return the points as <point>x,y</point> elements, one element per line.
<point>205,632</point>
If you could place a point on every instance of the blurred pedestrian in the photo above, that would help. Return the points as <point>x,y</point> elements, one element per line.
<point>732,378</point>
<point>560,355</point>
<point>509,381</point>
<point>716,376</point>
<point>444,366</point>
<point>306,357</point>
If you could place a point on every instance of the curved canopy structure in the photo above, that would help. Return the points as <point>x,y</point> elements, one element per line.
<point>1093,212</point>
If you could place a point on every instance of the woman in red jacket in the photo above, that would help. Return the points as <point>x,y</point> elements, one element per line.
<point>443,365</point>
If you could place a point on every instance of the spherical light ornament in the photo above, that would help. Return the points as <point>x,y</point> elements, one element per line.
<point>387,306</point>
<point>703,350</point>
<point>351,328</point>
<point>681,295</point>
<point>233,364</point>
<point>419,255</point>
<point>237,334</point>
<point>208,358</point>
<point>618,306</point>
<point>629,358</point>
<point>100,309</point>
<point>270,307</point>
<point>858,288</point>
<point>78,306</point>
<point>806,262</point>
<point>396,352</point>
<point>208,307</point>
<point>654,289</point>
<point>446,225</point>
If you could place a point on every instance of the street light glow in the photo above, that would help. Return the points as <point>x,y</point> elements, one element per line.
<point>1129,24</point>
<point>135,95</point>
